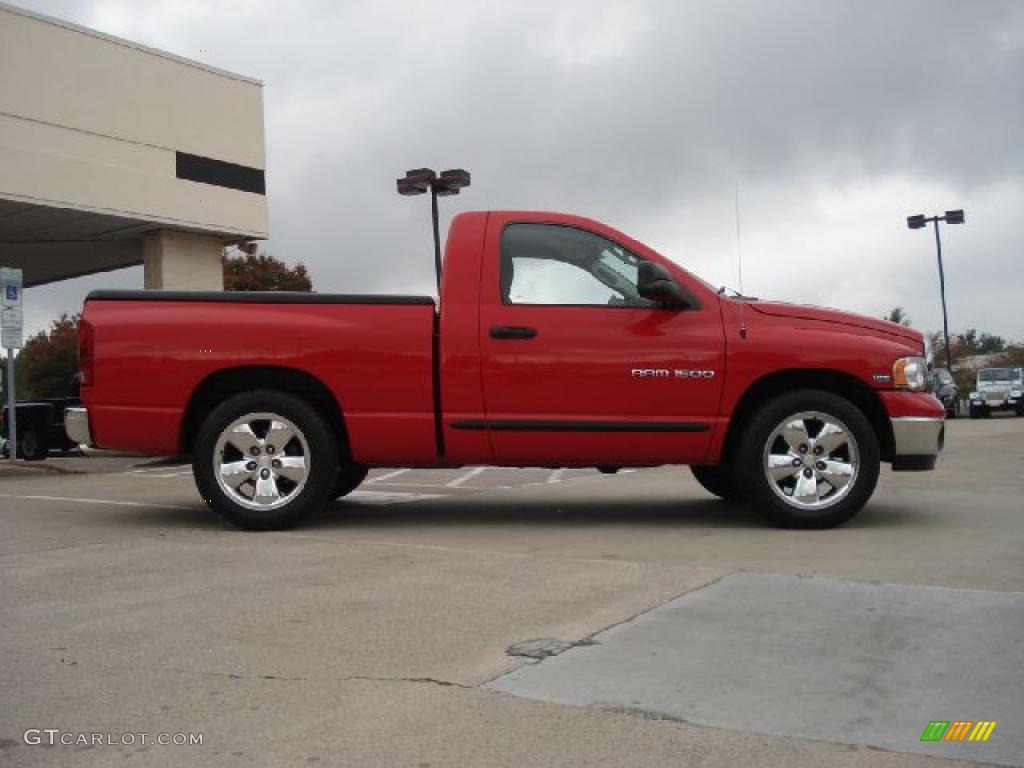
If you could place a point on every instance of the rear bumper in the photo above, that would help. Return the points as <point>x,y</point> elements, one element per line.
<point>76,424</point>
<point>917,442</point>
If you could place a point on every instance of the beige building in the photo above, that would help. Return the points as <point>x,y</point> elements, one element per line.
<point>113,154</point>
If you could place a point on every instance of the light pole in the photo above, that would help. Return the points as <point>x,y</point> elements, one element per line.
<point>920,221</point>
<point>447,183</point>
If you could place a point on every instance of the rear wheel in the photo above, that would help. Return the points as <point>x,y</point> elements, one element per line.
<point>264,460</point>
<point>717,481</point>
<point>808,459</point>
<point>32,445</point>
<point>350,476</point>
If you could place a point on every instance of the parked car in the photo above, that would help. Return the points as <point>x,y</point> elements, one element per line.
<point>40,425</point>
<point>944,387</point>
<point>558,342</point>
<point>998,389</point>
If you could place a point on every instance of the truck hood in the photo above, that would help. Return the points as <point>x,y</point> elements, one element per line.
<point>820,314</point>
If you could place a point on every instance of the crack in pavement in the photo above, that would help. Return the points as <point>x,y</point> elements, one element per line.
<point>421,680</point>
<point>344,678</point>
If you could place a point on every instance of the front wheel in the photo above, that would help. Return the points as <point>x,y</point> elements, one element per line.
<point>264,460</point>
<point>808,459</point>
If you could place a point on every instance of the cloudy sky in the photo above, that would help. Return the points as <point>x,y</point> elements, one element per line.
<point>836,118</point>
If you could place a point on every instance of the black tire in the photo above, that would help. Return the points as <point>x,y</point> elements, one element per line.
<point>770,498</point>
<point>32,445</point>
<point>319,471</point>
<point>350,476</point>
<point>975,413</point>
<point>717,481</point>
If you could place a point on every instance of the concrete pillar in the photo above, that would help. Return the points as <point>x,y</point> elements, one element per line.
<point>182,261</point>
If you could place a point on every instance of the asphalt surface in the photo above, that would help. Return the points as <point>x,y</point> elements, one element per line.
<point>377,633</point>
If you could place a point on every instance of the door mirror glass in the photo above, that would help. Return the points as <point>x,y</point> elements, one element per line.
<point>656,283</point>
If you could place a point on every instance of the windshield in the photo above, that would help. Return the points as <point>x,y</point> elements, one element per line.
<point>999,374</point>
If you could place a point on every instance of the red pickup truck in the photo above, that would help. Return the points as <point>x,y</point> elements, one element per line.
<point>558,342</point>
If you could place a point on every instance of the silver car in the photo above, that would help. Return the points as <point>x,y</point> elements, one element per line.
<point>998,389</point>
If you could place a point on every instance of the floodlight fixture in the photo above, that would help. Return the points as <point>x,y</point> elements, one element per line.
<point>451,181</point>
<point>954,217</point>
<point>913,222</point>
<point>416,182</point>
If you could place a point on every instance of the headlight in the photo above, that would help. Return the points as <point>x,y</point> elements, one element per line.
<point>1015,393</point>
<point>910,373</point>
<point>975,396</point>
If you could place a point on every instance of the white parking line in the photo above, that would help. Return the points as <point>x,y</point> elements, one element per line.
<point>556,475</point>
<point>387,476</point>
<point>145,504</point>
<point>149,475</point>
<point>387,497</point>
<point>463,479</point>
<point>367,497</point>
<point>439,485</point>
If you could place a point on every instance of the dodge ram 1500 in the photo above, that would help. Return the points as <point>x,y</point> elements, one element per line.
<point>556,342</point>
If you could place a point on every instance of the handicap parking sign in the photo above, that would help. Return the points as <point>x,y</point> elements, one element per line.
<point>10,287</point>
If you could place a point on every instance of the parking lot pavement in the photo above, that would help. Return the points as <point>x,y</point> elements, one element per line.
<point>815,658</point>
<point>368,635</point>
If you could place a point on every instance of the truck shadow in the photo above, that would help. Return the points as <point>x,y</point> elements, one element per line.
<point>705,514</point>
<point>701,513</point>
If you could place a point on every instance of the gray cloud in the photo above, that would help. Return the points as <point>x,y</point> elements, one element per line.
<point>838,119</point>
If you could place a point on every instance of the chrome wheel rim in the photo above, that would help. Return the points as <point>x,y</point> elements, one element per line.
<point>811,460</point>
<point>261,461</point>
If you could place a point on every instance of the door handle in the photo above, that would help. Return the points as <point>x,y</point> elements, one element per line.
<point>512,332</point>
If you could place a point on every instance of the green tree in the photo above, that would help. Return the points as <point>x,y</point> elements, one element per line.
<point>988,344</point>
<point>262,272</point>
<point>898,315</point>
<point>49,360</point>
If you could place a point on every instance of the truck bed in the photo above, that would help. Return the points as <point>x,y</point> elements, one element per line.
<point>156,351</point>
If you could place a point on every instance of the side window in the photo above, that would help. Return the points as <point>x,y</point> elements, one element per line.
<point>559,265</point>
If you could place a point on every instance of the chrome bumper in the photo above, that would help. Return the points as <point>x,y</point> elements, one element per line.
<point>917,442</point>
<point>76,424</point>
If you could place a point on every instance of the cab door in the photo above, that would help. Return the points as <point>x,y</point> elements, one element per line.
<point>577,368</point>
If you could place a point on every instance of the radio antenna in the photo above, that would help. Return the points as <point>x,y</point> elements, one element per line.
<point>739,264</point>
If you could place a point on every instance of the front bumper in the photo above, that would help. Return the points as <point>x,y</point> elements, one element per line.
<point>76,424</point>
<point>996,404</point>
<point>917,442</point>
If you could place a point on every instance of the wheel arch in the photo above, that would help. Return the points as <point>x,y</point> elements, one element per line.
<point>843,384</point>
<point>225,383</point>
